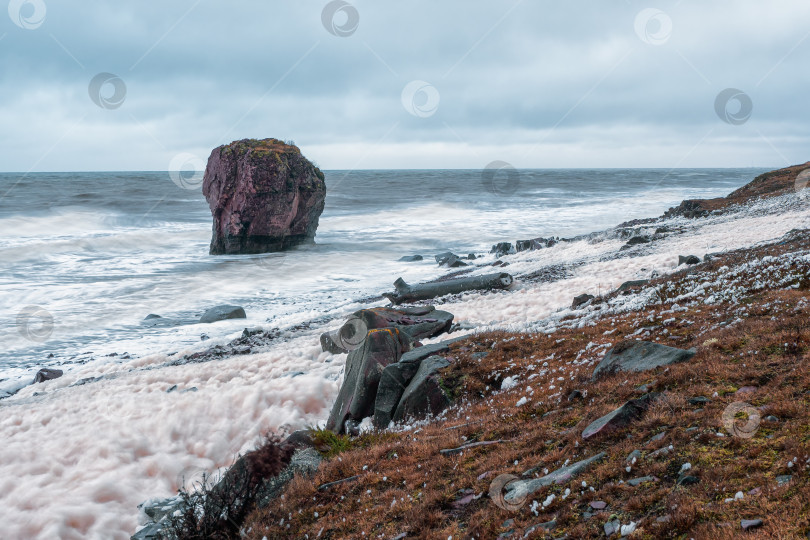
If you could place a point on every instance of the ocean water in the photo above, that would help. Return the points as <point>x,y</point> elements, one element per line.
<point>84,257</point>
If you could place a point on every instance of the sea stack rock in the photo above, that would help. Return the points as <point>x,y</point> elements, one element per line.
<point>264,196</point>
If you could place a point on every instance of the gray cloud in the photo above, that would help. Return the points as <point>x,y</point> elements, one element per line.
<point>536,83</point>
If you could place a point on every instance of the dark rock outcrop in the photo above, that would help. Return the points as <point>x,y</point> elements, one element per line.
<point>387,377</point>
<point>620,417</point>
<point>47,374</point>
<point>364,367</point>
<point>535,243</point>
<point>264,196</point>
<point>251,482</point>
<point>396,378</point>
<point>640,356</point>
<point>631,284</point>
<point>502,248</point>
<point>411,258</point>
<point>581,299</point>
<point>449,260</point>
<point>221,313</point>
<point>688,259</point>
<point>425,394</point>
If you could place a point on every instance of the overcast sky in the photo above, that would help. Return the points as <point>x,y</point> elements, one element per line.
<point>408,84</point>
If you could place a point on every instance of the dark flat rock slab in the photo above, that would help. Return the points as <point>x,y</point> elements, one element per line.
<point>641,480</point>
<point>395,379</point>
<point>47,374</point>
<point>425,394</point>
<point>364,367</point>
<point>634,356</point>
<point>620,417</point>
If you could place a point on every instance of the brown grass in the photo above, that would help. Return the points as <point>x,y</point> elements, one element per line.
<point>406,486</point>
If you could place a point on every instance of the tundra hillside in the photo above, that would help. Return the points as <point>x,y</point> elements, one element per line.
<point>536,445</point>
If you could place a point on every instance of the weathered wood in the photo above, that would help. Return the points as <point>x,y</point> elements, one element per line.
<point>425,291</point>
<point>324,487</point>
<point>460,449</point>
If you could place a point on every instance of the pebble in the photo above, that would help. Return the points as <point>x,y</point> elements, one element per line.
<point>750,524</point>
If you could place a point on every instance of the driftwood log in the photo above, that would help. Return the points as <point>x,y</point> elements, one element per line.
<point>425,291</point>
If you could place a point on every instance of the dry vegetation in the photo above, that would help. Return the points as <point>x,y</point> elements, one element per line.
<point>770,184</point>
<point>755,350</point>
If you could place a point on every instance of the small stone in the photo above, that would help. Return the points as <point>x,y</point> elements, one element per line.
<point>688,259</point>
<point>698,400</point>
<point>687,480</point>
<point>661,452</point>
<point>171,389</point>
<point>635,454</point>
<point>658,437</point>
<point>771,418</point>
<point>580,300</point>
<point>638,240</point>
<point>575,395</point>
<point>746,390</point>
<point>751,524</point>
<point>612,527</point>
<point>783,479</point>
<point>598,505</point>
<point>638,481</point>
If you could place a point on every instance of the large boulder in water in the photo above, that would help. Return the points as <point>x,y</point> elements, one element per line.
<point>264,196</point>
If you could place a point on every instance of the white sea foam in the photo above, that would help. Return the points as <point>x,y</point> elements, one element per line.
<point>76,461</point>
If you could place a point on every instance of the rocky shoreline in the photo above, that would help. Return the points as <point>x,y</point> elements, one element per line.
<point>396,386</point>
